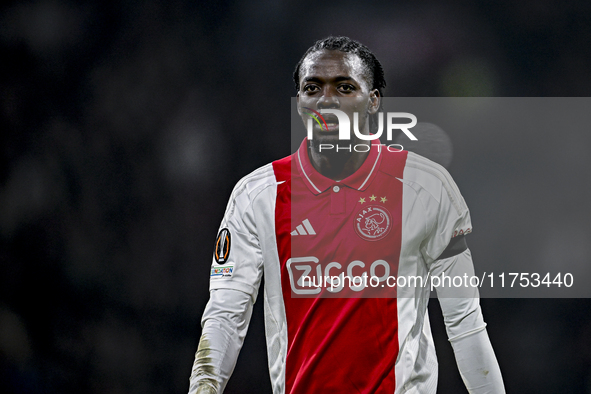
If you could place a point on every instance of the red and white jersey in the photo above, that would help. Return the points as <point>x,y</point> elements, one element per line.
<point>393,217</point>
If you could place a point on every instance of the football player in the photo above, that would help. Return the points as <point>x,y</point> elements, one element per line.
<point>365,212</point>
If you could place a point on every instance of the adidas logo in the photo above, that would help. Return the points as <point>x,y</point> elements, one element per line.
<point>304,229</point>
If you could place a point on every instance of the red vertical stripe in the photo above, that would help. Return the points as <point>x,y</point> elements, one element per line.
<point>338,344</point>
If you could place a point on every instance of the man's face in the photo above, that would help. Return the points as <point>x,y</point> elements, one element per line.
<point>331,79</point>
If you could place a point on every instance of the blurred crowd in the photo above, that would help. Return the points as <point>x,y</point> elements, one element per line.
<point>125,125</point>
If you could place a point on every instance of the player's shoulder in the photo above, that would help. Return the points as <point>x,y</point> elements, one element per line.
<point>415,166</point>
<point>422,173</point>
<point>419,168</point>
<point>283,168</point>
<point>268,175</point>
<point>259,178</point>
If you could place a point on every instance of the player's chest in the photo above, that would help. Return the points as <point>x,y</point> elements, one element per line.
<point>345,223</point>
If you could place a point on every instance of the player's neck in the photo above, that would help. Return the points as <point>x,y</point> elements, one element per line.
<point>336,166</point>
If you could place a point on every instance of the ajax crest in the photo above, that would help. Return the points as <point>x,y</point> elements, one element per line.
<point>373,223</point>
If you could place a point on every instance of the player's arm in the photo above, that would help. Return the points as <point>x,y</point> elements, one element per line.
<point>446,251</point>
<point>236,273</point>
<point>225,322</point>
<point>464,323</point>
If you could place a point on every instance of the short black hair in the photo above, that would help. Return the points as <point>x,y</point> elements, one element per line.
<point>345,44</point>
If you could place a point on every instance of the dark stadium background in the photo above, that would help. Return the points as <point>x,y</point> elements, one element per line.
<point>125,124</point>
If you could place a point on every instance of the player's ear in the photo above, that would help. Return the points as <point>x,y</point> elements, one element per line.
<point>374,101</point>
<point>298,102</point>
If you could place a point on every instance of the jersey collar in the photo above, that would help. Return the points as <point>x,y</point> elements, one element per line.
<point>318,183</point>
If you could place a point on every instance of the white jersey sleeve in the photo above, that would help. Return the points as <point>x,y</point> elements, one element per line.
<point>446,254</point>
<point>225,323</point>
<point>237,262</point>
<point>446,211</point>
<point>235,276</point>
<point>477,364</point>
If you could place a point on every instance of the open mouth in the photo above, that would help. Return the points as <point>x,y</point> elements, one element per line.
<point>332,124</point>
<point>332,127</point>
